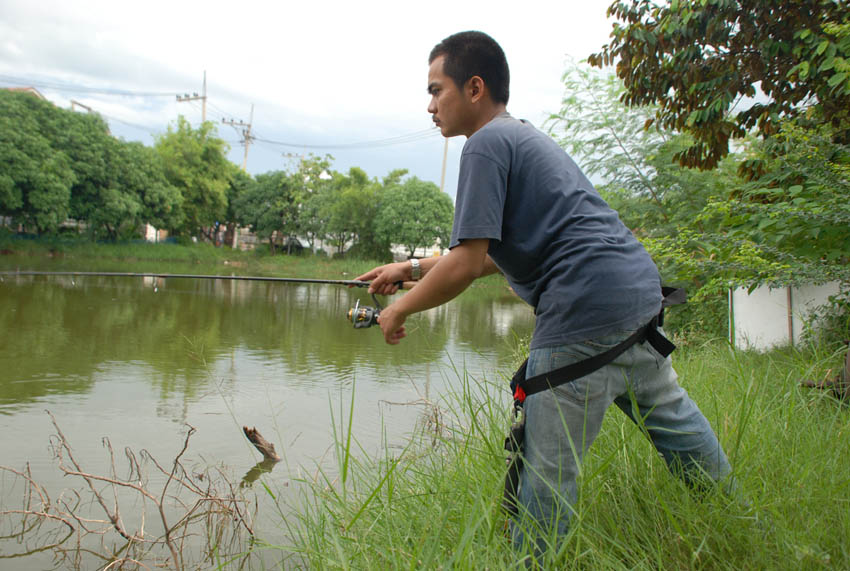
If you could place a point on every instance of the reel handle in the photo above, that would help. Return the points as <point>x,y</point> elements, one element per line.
<point>363,316</point>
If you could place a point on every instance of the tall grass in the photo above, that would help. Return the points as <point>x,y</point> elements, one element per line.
<point>435,504</point>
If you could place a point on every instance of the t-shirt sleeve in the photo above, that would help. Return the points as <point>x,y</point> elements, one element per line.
<point>481,190</point>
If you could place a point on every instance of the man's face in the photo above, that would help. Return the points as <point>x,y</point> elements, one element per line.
<point>448,106</point>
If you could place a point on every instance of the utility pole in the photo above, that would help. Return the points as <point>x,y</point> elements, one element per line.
<point>246,133</point>
<point>195,97</point>
<point>445,155</point>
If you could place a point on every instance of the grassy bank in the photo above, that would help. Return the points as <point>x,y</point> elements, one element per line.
<point>434,504</point>
<point>82,255</point>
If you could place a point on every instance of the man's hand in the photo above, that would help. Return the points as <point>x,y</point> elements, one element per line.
<point>443,278</point>
<point>392,325</point>
<point>384,278</point>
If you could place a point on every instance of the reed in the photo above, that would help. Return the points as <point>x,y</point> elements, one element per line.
<point>435,504</point>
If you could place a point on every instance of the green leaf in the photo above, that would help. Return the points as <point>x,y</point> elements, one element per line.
<point>836,79</point>
<point>822,47</point>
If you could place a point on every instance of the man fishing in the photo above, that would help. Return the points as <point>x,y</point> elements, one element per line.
<point>524,208</point>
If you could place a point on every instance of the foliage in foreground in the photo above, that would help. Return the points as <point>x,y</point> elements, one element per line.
<point>696,59</point>
<point>786,224</point>
<point>435,504</point>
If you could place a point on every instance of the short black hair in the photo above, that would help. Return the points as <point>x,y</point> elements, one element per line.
<point>468,54</point>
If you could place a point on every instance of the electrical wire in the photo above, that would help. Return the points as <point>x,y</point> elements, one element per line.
<point>149,130</point>
<point>218,113</point>
<point>76,88</point>
<point>390,141</point>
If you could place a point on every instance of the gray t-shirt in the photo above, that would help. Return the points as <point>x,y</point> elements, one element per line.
<point>562,248</point>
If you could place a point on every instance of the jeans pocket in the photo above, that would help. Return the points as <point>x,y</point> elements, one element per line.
<point>584,388</point>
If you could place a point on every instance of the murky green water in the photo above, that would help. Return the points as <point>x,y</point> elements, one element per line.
<point>136,360</point>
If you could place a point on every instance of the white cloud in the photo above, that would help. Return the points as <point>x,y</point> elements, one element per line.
<point>317,72</point>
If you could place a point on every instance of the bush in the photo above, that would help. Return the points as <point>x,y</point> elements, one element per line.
<point>829,324</point>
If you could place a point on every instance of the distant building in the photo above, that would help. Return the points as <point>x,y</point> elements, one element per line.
<point>31,90</point>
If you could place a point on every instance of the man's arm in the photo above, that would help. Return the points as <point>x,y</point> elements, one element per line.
<point>442,280</point>
<point>384,278</point>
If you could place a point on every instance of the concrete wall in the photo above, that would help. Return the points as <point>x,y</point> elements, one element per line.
<point>769,317</point>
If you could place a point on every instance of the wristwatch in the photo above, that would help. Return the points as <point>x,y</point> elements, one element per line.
<point>415,269</point>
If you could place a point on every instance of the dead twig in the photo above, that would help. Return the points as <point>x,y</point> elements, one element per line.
<point>265,447</point>
<point>839,385</point>
<point>192,515</point>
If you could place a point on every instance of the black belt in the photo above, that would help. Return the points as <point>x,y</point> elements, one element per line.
<point>523,387</point>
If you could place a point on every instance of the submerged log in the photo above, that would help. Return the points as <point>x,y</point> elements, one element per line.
<point>265,447</point>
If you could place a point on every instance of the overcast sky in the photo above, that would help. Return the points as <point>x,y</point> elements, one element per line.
<point>319,73</point>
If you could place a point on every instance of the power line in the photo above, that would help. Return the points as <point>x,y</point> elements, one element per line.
<point>149,130</point>
<point>398,140</point>
<point>76,88</point>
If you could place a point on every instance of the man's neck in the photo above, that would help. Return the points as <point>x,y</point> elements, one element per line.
<point>487,114</point>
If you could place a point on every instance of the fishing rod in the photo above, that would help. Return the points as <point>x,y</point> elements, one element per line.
<point>360,316</point>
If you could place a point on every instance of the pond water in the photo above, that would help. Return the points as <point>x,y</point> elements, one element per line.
<point>138,359</point>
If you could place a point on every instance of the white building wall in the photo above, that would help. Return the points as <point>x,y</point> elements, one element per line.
<point>769,317</point>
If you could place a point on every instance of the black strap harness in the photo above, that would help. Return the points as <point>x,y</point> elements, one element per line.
<point>522,387</point>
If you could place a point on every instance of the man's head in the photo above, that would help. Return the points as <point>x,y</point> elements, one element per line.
<point>467,54</point>
<point>468,80</point>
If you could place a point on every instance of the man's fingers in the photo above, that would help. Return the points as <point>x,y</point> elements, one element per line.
<point>383,287</point>
<point>396,336</point>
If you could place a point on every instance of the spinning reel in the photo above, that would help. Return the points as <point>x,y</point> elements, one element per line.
<point>363,316</point>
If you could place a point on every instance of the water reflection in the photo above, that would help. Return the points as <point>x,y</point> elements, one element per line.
<point>136,359</point>
<point>57,332</point>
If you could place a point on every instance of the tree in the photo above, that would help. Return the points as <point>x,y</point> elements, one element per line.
<point>35,177</point>
<point>654,196</point>
<point>240,183</point>
<point>365,197</point>
<point>270,206</point>
<point>195,163</point>
<point>345,207</point>
<point>658,199</point>
<point>607,138</point>
<point>312,179</point>
<point>56,164</point>
<point>415,214</point>
<point>696,59</point>
<point>792,225</point>
<point>143,173</point>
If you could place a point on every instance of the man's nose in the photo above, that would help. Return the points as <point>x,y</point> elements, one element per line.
<point>432,106</point>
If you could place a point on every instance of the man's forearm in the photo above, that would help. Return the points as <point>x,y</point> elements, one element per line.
<point>445,277</point>
<point>489,268</point>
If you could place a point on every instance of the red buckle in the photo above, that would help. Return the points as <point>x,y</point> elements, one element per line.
<point>519,395</point>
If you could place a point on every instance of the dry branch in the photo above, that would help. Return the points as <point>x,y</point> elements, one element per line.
<point>265,447</point>
<point>213,516</point>
<point>839,385</point>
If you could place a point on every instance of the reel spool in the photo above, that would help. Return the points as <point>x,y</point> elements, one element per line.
<point>362,316</point>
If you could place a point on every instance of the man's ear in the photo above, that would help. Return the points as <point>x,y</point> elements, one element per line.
<point>475,88</point>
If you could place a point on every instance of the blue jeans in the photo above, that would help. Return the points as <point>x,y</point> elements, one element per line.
<point>562,423</point>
